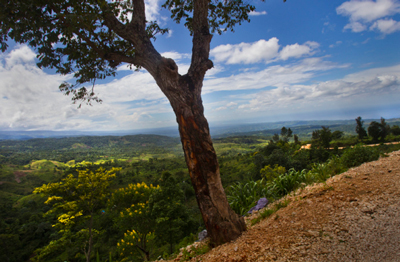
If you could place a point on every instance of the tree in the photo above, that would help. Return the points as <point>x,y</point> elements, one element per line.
<point>360,130</point>
<point>375,131</point>
<point>296,139</point>
<point>284,131</point>
<point>322,137</point>
<point>395,130</point>
<point>286,134</point>
<point>385,129</point>
<point>76,201</point>
<point>378,130</point>
<point>90,38</point>
<point>275,138</point>
<point>337,134</point>
<point>171,216</point>
<point>133,216</point>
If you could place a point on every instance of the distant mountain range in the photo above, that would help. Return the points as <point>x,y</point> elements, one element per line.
<point>217,131</point>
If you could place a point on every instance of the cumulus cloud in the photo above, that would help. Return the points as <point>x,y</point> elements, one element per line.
<point>366,12</point>
<point>25,90</point>
<point>246,53</point>
<point>260,51</point>
<point>152,9</point>
<point>297,50</point>
<point>30,99</point>
<point>376,85</point>
<point>272,76</point>
<point>19,56</point>
<point>386,26</point>
<point>355,27</point>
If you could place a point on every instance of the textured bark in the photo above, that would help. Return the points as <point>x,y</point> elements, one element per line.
<point>222,223</point>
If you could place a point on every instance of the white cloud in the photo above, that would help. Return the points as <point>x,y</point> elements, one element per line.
<point>21,55</point>
<point>213,71</point>
<point>376,85</point>
<point>246,52</point>
<point>368,10</point>
<point>136,86</point>
<point>272,76</point>
<point>386,26</point>
<point>152,9</point>
<point>256,13</point>
<point>362,13</point>
<point>355,27</point>
<point>370,74</point>
<point>297,50</point>
<point>175,55</point>
<point>27,94</point>
<point>260,51</point>
<point>170,32</point>
<point>30,99</point>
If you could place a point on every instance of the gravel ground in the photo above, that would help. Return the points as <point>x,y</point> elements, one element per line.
<point>354,216</point>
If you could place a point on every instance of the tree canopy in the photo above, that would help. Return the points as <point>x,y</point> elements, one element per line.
<point>91,38</point>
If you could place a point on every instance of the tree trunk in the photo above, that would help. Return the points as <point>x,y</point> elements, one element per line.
<point>222,223</point>
<point>184,93</point>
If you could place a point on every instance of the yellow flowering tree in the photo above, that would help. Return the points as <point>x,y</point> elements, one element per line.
<point>133,216</point>
<point>75,202</point>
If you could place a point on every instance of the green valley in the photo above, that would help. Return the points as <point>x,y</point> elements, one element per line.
<point>142,204</point>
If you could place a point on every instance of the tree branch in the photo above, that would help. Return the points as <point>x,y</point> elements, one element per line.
<point>135,32</point>
<point>201,41</point>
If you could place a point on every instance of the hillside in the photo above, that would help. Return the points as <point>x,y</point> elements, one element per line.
<point>353,217</point>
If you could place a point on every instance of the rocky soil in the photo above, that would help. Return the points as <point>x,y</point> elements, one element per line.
<point>354,216</point>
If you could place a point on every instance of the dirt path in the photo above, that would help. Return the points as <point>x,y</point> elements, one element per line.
<point>355,216</point>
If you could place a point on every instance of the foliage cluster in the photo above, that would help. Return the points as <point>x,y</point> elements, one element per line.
<point>243,195</point>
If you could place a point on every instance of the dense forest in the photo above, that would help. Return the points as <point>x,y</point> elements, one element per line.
<point>130,198</point>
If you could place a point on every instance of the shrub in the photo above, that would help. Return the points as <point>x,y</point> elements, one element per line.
<point>243,196</point>
<point>357,155</point>
<point>288,182</point>
<point>270,173</point>
<point>321,172</point>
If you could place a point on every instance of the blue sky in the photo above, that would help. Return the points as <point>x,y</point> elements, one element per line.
<point>299,60</point>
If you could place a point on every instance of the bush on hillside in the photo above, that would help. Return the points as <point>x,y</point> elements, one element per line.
<point>322,171</point>
<point>243,196</point>
<point>288,182</point>
<point>359,154</point>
